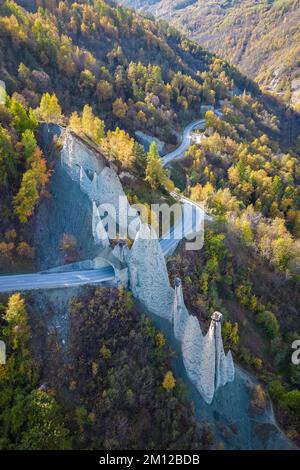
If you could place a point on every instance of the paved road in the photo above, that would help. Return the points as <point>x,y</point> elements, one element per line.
<point>54,280</point>
<point>191,223</point>
<point>192,219</point>
<point>186,141</point>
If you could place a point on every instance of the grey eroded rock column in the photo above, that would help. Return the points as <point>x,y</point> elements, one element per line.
<point>203,356</point>
<point>224,363</point>
<point>148,275</point>
<point>180,314</point>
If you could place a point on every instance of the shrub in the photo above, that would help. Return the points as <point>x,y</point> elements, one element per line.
<point>277,390</point>
<point>269,323</point>
<point>169,381</point>
<point>230,334</point>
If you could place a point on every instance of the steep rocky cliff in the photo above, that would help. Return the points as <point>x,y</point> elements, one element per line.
<point>81,182</point>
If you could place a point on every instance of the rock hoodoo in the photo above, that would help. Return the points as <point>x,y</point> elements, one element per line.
<point>203,355</point>
<point>148,275</point>
<point>204,358</point>
<point>180,314</point>
<point>214,369</point>
<point>98,181</point>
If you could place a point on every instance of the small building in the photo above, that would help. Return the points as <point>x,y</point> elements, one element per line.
<point>197,138</point>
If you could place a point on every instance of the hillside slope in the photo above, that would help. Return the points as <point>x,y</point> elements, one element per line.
<point>153,71</point>
<point>261,37</point>
<point>135,73</point>
<point>113,73</point>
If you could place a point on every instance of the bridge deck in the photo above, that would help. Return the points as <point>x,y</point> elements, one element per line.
<point>55,280</point>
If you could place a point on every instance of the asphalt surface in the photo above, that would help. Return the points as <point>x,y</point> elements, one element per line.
<point>24,282</point>
<point>185,143</point>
